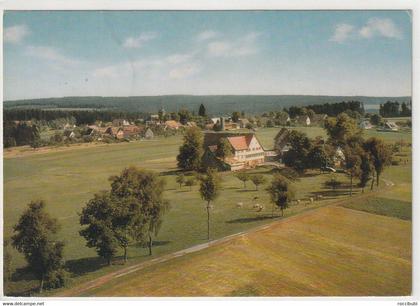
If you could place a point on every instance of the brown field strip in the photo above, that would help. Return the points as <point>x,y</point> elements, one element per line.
<point>330,251</point>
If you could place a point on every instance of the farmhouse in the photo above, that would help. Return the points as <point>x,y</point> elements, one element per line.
<point>303,120</point>
<point>318,119</point>
<point>247,151</point>
<point>281,142</point>
<point>116,132</point>
<point>390,126</point>
<point>131,131</point>
<point>172,124</point>
<point>120,122</point>
<point>148,134</point>
<point>365,125</point>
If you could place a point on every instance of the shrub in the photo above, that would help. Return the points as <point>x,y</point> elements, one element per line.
<point>56,279</point>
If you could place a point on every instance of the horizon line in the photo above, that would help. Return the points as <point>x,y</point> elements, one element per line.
<point>207,95</point>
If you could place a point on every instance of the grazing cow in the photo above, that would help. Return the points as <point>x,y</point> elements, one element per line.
<point>260,208</point>
<point>239,205</point>
<point>297,201</point>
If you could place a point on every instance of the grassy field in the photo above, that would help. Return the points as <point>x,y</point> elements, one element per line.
<point>67,178</point>
<point>301,256</point>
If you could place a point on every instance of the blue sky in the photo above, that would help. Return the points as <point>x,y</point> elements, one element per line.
<point>116,53</point>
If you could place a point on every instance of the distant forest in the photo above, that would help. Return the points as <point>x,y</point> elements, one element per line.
<point>215,105</point>
<point>81,116</point>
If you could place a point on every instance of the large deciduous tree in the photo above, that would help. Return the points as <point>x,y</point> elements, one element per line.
<point>380,153</point>
<point>143,190</point>
<point>35,238</point>
<point>297,156</point>
<point>209,191</point>
<point>366,170</point>
<point>352,163</point>
<point>99,231</point>
<point>341,128</point>
<point>189,157</point>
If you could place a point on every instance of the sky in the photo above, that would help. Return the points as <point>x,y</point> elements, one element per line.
<point>134,53</point>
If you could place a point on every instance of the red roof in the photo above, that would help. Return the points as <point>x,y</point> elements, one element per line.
<point>239,142</point>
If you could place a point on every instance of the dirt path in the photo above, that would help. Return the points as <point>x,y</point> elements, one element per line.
<point>79,289</point>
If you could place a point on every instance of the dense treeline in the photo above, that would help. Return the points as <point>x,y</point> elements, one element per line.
<point>215,104</point>
<point>19,134</point>
<point>81,116</point>
<point>393,109</point>
<point>333,109</point>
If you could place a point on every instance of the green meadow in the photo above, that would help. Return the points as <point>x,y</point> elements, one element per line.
<point>67,179</point>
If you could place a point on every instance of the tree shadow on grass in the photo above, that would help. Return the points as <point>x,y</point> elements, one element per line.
<point>22,274</point>
<point>82,266</point>
<point>155,243</point>
<point>247,190</point>
<point>170,172</point>
<point>332,193</point>
<point>251,219</point>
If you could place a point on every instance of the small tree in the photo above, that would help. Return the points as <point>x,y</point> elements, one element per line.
<point>189,157</point>
<point>235,116</point>
<point>34,237</point>
<point>242,176</point>
<point>202,111</point>
<point>258,179</point>
<point>281,193</point>
<point>209,191</point>
<point>180,179</point>
<point>190,182</point>
<point>376,119</point>
<point>224,149</point>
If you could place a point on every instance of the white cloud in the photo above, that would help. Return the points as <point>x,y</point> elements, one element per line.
<point>178,58</point>
<point>50,54</point>
<point>342,32</point>
<point>175,66</point>
<point>246,45</point>
<point>138,42</point>
<point>380,27</point>
<point>15,34</point>
<point>206,35</point>
<point>184,71</point>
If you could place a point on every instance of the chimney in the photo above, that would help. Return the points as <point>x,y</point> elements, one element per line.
<point>222,123</point>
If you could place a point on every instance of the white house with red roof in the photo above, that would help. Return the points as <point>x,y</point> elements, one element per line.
<point>247,151</point>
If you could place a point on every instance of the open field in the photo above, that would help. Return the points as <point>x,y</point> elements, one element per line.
<point>67,178</point>
<point>305,255</point>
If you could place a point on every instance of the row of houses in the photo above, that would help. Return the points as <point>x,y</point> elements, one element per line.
<point>117,132</point>
<point>387,126</point>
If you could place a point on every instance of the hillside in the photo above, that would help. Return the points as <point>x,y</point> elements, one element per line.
<point>215,105</point>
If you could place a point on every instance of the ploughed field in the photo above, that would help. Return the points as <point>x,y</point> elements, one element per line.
<point>67,179</point>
